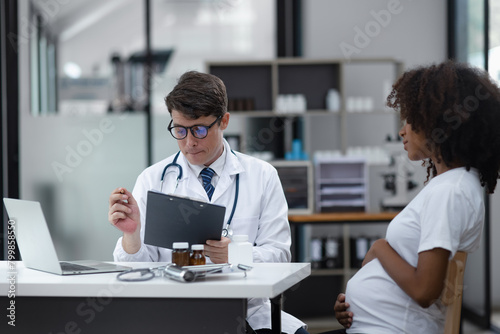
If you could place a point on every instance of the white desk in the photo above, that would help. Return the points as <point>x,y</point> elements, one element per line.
<point>99,303</point>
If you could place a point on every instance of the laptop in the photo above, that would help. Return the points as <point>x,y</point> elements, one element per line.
<point>36,246</point>
<point>171,218</point>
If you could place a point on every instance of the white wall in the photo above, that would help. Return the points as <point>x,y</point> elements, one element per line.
<point>414,32</point>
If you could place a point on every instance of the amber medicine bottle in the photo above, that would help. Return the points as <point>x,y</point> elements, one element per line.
<point>197,257</point>
<point>180,253</point>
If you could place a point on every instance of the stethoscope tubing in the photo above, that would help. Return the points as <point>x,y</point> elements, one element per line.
<point>172,164</point>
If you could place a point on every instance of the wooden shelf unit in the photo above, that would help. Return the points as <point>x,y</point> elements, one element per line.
<point>345,219</point>
<point>257,85</point>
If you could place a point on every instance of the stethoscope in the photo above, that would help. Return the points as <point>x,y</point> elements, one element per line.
<point>181,274</point>
<point>227,231</point>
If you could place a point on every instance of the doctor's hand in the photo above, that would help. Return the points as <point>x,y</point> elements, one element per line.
<point>217,250</point>
<point>124,212</point>
<point>343,316</point>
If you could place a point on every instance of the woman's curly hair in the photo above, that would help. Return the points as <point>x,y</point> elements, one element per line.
<point>457,107</point>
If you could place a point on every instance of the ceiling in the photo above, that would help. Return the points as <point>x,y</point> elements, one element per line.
<point>73,16</point>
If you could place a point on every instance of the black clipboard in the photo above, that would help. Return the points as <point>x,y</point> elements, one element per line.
<point>171,218</point>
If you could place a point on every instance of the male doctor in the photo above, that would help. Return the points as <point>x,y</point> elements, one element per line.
<point>198,107</point>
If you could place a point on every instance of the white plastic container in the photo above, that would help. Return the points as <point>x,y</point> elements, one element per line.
<point>333,100</point>
<point>240,250</point>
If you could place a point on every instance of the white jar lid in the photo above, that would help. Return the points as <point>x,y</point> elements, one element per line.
<point>240,238</point>
<point>180,245</point>
<point>198,247</point>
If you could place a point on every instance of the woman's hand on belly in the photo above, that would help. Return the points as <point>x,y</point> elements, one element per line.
<point>424,283</point>
<point>343,316</point>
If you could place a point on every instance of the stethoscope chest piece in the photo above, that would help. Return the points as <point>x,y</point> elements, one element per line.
<point>227,232</point>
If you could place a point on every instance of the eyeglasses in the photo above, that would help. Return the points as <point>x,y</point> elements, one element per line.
<point>198,131</point>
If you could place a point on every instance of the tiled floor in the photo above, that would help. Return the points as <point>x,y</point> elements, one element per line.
<point>321,325</point>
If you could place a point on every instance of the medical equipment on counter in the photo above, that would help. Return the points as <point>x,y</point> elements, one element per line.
<point>398,181</point>
<point>180,254</point>
<point>181,274</point>
<point>197,258</point>
<point>240,250</point>
<point>227,231</point>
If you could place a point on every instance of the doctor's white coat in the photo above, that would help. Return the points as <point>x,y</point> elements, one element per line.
<point>261,213</point>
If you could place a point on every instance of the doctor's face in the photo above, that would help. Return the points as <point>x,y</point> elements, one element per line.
<point>206,150</point>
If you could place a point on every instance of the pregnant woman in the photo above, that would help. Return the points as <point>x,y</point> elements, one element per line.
<point>451,121</point>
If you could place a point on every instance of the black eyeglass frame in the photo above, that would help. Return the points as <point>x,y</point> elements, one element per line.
<point>190,128</point>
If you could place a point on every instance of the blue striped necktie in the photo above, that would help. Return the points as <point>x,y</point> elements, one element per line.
<point>206,176</point>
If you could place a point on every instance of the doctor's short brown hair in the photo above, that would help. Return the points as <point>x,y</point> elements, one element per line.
<point>198,94</point>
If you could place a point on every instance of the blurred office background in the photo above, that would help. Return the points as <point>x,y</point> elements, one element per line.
<point>90,113</point>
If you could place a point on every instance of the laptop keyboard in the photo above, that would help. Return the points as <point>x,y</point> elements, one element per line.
<point>66,266</point>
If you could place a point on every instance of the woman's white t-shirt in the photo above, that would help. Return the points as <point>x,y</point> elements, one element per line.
<point>448,213</point>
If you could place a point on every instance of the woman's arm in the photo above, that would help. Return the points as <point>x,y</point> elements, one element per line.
<point>424,283</point>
